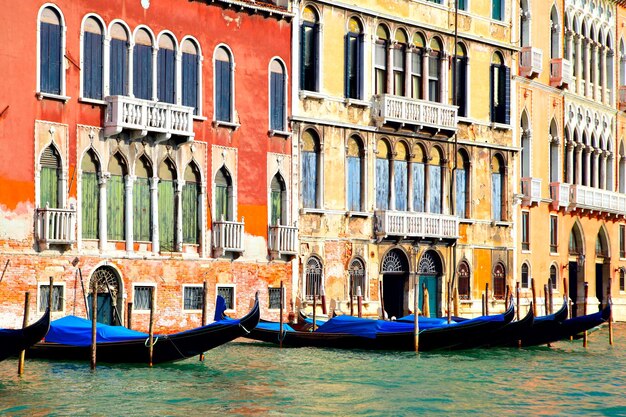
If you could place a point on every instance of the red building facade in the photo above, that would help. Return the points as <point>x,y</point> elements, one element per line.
<point>144,147</point>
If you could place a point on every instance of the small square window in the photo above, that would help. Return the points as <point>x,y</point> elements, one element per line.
<point>192,296</point>
<point>142,297</point>
<point>57,297</point>
<point>228,292</point>
<point>274,298</point>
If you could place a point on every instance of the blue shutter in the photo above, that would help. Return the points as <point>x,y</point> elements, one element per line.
<point>309,179</point>
<point>400,184</point>
<point>354,183</point>
<point>496,195</point>
<point>461,190</point>
<point>190,81</point>
<point>50,60</point>
<point>382,184</point>
<point>223,91</point>
<point>218,91</point>
<point>142,72</point>
<point>165,78</point>
<point>434,183</point>
<point>92,64</point>
<point>118,65</point>
<point>493,95</point>
<point>44,59</point>
<point>347,68</point>
<point>418,187</point>
<point>277,101</point>
<point>506,85</point>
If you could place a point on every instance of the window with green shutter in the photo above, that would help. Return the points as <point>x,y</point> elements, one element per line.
<point>116,209</point>
<point>90,196</point>
<point>277,191</point>
<point>223,190</point>
<point>191,205</point>
<point>167,215</point>
<point>49,178</point>
<point>142,206</point>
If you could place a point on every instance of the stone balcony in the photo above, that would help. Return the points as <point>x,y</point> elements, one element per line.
<point>411,225</point>
<point>560,72</point>
<point>228,237</point>
<point>530,62</point>
<point>282,241</point>
<point>55,227</point>
<point>580,197</point>
<point>418,114</point>
<point>145,117</point>
<point>531,191</point>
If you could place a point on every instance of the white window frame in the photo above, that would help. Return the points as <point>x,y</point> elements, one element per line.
<point>183,309</point>
<point>179,74</point>
<point>106,46</point>
<point>54,284</point>
<point>232,122</point>
<point>154,294</point>
<point>273,132</point>
<point>129,57</point>
<point>284,298</point>
<point>234,287</point>
<point>62,69</point>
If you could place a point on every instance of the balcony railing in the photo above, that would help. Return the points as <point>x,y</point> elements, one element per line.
<point>415,225</point>
<point>55,226</point>
<point>227,237</point>
<point>420,113</point>
<point>596,199</point>
<point>622,97</point>
<point>531,190</point>
<point>531,61</point>
<point>143,117</point>
<point>560,72</point>
<point>282,240</point>
<point>560,194</point>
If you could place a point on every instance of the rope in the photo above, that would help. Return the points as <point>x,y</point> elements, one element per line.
<point>147,342</point>
<point>244,329</point>
<point>281,335</point>
<point>178,350</point>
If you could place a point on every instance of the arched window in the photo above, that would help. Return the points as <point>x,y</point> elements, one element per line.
<point>278,89</point>
<point>608,82</point>
<point>399,54</point>
<point>118,61</point>
<point>500,90</point>
<point>310,169</point>
<point>417,58</point>
<point>191,204</point>
<point>499,281</point>
<point>278,201</point>
<point>142,202</point>
<point>49,178</point>
<point>498,182</point>
<point>463,272</point>
<point>461,184</point>
<point>434,70</point>
<point>622,63</point>
<point>90,196</point>
<point>354,60</point>
<point>167,206</point>
<point>223,85</point>
<point>554,277</point>
<point>525,277</point>
<point>419,179</point>
<point>355,174</point>
<point>380,60</point>
<point>142,65</point>
<point>435,176</point>
<point>524,23</point>
<point>357,278</point>
<point>314,273</point>
<point>116,204</point>
<point>382,175</point>
<point>51,49</point>
<point>400,177</point>
<point>526,146</point>
<point>554,152</point>
<point>93,38</point>
<point>585,54</point>
<point>622,168</point>
<point>555,33</point>
<point>223,195</point>
<point>191,66</point>
<point>166,70</point>
<point>461,85</point>
<point>309,50</point>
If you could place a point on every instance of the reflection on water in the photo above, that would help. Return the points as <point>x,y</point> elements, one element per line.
<point>257,379</point>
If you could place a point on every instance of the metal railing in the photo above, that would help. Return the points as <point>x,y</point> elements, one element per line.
<point>283,240</point>
<point>410,224</point>
<point>55,226</point>
<point>421,113</point>
<point>228,236</point>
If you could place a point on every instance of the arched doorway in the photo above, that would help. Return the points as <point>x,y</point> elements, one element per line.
<point>395,272</point>
<point>576,268</point>
<point>109,293</point>
<point>602,270</point>
<point>429,270</point>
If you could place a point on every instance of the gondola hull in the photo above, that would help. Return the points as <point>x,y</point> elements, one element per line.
<point>166,348</point>
<point>13,342</point>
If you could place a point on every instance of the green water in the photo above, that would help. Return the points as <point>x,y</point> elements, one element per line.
<point>256,379</point>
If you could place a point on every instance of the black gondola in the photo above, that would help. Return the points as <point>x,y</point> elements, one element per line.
<point>166,348</point>
<point>436,338</point>
<point>13,341</point>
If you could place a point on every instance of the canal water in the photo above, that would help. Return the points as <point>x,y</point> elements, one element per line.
<point>250,379</point>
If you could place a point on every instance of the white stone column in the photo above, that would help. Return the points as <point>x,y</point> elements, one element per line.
<point>155,72</point>
<point>129,214</point>
<point>154,208</point>
<point>443,78</point>
<point>587,65</point>
<point>595,155</point>
<point>605,82</point>
<point>102,210</point>
<point>178,202</point>
<point>579,68</point>
<point>587,161</point>
<point>425,70</point>
<point>178,77</point>
<point>131,63</point>
<point>106,66</point>
<point>202,221</point>
<point>407,71</point>
<point>578,179</point>
<point>389,80</point>
<point>570,161</point>
<point>603,161</point>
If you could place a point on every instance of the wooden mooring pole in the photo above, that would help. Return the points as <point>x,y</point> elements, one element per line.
<point>566,292</point>
<point>359,298</point>
<point>323,300</point>
<point>585,312</point>
<point>314,305</point>
<point>151,330</point>
<point>382,301</point>
<point>517,293</point>
<point>551,302</point>
<point>534,293</point>
<point>129,315</point>
<point>545,300</point>
<point>281,335</point>
<point>416,329</point>
<point>205,297</point>
<point>609,301</point>
<point>352,301</point>
<point>507,292</point>
<point>94,322</point>
<point>20,364</point>
<point>486,299</point>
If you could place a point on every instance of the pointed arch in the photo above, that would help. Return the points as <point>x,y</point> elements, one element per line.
<point>603,247</point>
<point>142,201</point>
<point>167,205</point>
<point>224,198</point>
<point>278,201</point>
<point>525,145</point>
<point>554,152</point>
<point>50,176</point>
<point>555,33</point>
<point>90,195</point>
<point>116,197</point>
<point>314,277</point>
<point>192,204</point>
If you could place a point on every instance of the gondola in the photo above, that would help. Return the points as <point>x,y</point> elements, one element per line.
<point>347,332</point>
<point>13,341</point>
<point>71,340</point>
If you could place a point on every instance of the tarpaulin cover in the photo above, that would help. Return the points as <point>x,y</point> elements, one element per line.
<point>76,331</point>
<point>273,326</point>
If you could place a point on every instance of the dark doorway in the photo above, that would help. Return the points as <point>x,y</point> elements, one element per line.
<point>600,285</point>
<point>573,286</point>
<point>430,282</point>
<point>395,272</point>
<point>109,295</point>
<point>105,309</point>
<point>429,270</point>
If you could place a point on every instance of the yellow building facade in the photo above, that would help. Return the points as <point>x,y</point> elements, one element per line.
<point>403,139</point>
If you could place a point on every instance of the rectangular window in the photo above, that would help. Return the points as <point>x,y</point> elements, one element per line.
<point>398,71</point>
<point>166,215</point>
<point>142,297</point>
<point>554,236</point>
<point>49,186</point>
<point>382,184</point>
<point>228,292</point>
<point>166,75</point>
<point>308,57</point>
<point>525,230</point>
<point>277,104</point>
<point>92,65</point>
<point>461,191</point>
<point>118,78</point>
<point>50,58</point>
<point>434,188</point>
<point>223,91</point>
<point>142,71</point>
<point>416,75</point>
<point>496,195</point>
<point>418,187</point>
<point>274,298</point>
<point>192,297</point>
<point>141,210</point>
<point>497,11</point>
<point>115,208</point>
<point>380,66</point>
<point>500,94</point>
<point>57,297</point>
<point>622,241</point>
<point>353,66</point>
<point>400,185</point>
<point>191,232</point>
<point>461,76</point>
<point>462,5</point>
<point>433,77</point>
<point>309,179</point>
<point>90,202</point>
<point>190,81</point>
<point>622,280</point>
<point>354,183</point>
